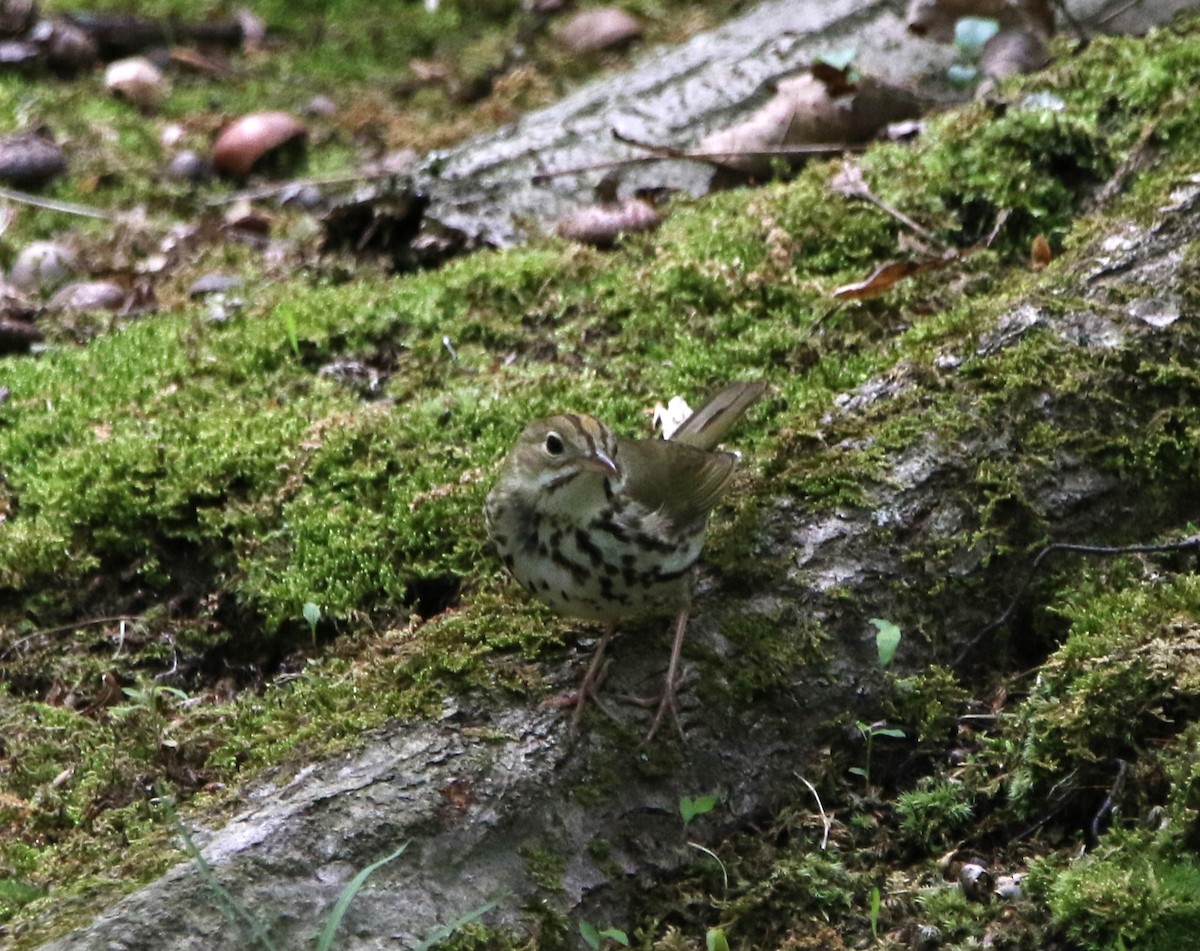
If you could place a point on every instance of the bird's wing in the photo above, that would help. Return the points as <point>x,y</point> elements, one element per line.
<point>709,424</point>
<point>680,481</point>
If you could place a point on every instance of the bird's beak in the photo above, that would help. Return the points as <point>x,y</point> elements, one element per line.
<point>601,463</point>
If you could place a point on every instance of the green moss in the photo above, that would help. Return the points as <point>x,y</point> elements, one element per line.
<point>544,866</point>
<point>1113,686</point>
<point>1129,894</point>
<point>215,469</point>
<point>936,813</point>
<point>931,700</point>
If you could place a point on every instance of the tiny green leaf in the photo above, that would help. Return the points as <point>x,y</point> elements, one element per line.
<point>312,613</point>
<point>289,328</point>
<point>715,940</point>
<point>858,771</point>
<point>617,935</point>
<point>689,808</point>
<point>590,935</point>
<point>334,921</point>
<point>887,639</point>
<point>443,932</point>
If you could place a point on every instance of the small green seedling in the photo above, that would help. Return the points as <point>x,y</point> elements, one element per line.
<point>334,921</point>
<point>293,336</point>
<point>146,704</point>
<point>594,937</point>
<point>876,903</point>
<point>869,732</point>
<point>312,615</point>
<point>689,808</point>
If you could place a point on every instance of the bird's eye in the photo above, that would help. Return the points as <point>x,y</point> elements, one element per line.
<point>554,444</point>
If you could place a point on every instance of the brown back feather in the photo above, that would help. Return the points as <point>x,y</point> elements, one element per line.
<point>708,425</point>
<point>682,482</point>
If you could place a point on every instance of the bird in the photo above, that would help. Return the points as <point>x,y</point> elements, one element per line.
<point>604,527</point>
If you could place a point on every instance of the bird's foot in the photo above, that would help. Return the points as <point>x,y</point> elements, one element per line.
<point>667,700</point>
<point>589,687</point>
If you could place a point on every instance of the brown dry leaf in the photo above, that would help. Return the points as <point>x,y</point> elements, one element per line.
<point>14,804</point>
<point>599,28</point>
<point>444,489</point>
<point>850,183</point>
<point>1040,253</point>
<point>109,696</point>
<point>1015,51</point>
<point>600,225</point>
<point>192,60</point>
<point>428,72</point>
<point>884,276</point>
<point>880,280</point>
<point>457,795</point>
<point>819,107</point>
<point>59,695</point>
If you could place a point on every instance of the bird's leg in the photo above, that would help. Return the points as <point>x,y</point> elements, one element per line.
<point>593,678</point>
<point>672,684</point>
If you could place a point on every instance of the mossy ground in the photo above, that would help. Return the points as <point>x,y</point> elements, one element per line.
<point>177,489</point>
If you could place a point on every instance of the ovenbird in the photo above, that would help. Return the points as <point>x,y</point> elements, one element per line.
<point>604,527</point>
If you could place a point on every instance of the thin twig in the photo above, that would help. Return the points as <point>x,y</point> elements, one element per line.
<point>267,191</point>
<point>73,626</point>
<point>1107,806</point>
<point>53,204</point>
<point>1192,541</point>
<point>665,153</point>
<point>1112,14</point>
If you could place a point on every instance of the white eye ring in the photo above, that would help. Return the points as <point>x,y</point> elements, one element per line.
<point>554,444</point>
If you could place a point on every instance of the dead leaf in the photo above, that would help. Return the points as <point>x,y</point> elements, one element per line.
<point>109,696</point>
<point>600,225</point>
<point>600,28</point>
<point>880,280</point>
<point>1013,52</point>
<point>1040,253</point>
<point>819,107</point>
<point>850,183</point>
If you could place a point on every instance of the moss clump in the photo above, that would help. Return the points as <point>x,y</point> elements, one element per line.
<point>931,700</point>
<point>1122,680</point>
<point>1135,891</point>
<point>544,866</point>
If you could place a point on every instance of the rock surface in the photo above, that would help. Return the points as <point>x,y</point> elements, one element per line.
<point>488,188</point>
